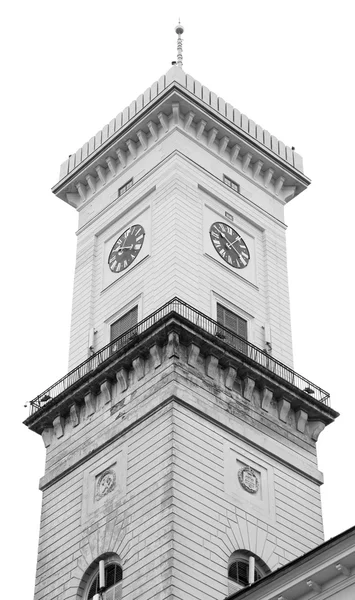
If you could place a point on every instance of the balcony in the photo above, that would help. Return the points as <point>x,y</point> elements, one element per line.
<point>178,314</point>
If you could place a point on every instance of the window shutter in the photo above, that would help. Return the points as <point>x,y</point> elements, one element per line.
<point>236,324</point>
<point>122,325</point>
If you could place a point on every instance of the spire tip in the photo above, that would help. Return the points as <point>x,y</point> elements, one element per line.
<point>179,30</point>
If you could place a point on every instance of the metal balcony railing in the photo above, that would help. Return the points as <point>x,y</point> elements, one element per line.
<point>201,322</point>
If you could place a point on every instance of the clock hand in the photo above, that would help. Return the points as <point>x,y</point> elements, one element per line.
<point>125,248</point>
<point>230,244</point>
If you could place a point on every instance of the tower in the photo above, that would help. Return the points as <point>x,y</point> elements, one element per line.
<point>181,456</point>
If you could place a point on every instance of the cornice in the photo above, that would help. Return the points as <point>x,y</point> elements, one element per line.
<point>177,108</point>
<point>171,338</point>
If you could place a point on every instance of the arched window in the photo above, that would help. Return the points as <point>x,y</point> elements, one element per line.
<point>112,581</point>
<point>244,568</point>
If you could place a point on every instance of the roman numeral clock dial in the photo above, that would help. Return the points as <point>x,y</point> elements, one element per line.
<point>126,249</point>
<point>229,245</point>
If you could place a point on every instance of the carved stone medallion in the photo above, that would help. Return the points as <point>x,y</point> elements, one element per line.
<point>105,483</point>
<point>248,479</point>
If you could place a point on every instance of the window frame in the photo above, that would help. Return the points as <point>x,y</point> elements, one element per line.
<point>244,556</point>
<point>233,185</point>
<point>136,301</point>
<point>94,571</point>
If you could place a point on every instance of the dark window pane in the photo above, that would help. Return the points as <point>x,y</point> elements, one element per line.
<point>93,588</point>
<point>239,572</point>
<point>110,575</point>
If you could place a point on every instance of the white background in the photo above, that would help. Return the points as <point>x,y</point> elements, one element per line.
<point>70,66</point>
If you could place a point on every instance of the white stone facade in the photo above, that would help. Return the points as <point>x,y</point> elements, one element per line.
<point>175,197</point>
<point>145,453</point>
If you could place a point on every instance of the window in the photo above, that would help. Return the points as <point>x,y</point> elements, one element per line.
<point>232,184</point>
<point>125,187</point>
<point>240,572</point>
<point>119,327</point>
<point>113,583</point>
<point>235,324</point>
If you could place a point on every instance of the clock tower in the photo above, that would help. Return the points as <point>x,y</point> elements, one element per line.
<point>181,445</point>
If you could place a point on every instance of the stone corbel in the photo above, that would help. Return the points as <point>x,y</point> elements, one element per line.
<point>142,139</point>
<point>105,390</point>
<point>193,353</point>
<point>229,377</point>
<point>121,154</point>
<point>211,365</point>
<point>188,120</point>
<point>58,426</point>
<point>313,585</point>
<point>111,163</point>
<point>246,160</point>
<point>81,190</point>
<point>47,436</point>
<point>89,404</point>
<point>288,192</point>
<point>234,153</point>
<point>223,144</point>
<point>301,420</point>
<point>122,379</point>
<point>101,174</point>
<point>211,136</point>
<point>91,183</point>
<point>172,348</point>
<point>153,130</point>
<point>248,389</point>
<point>176,112</point>
<point>138,366</point>
<point>155,353</point>
<point>74,414</point>
<point>164,121</point>
<point>266,397</point>
<point>200,129</point>
<point>315,428</point>
<point>267,177</point>
<point>278,185</point>
<point>284,407</point>
<point>342,569</point>
<point>257,166</point>
<point>132,148</point>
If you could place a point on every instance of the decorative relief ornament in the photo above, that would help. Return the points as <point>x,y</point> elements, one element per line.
<point>105,483</point>
<point>248,479</point>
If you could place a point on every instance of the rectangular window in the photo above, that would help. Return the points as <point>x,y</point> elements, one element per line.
<point>235,324</point>
<point>119,327</point>
<point>232,184</point>
<point>125,187</point>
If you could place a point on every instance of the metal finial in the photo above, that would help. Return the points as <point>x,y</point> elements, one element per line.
<point>179,30</point>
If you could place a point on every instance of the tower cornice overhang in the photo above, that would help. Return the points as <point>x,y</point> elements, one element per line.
<point>176,107</point>
<point>242,371</point>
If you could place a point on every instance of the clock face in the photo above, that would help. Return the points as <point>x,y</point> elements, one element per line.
<point>126,249</point>
<point>229,245</point>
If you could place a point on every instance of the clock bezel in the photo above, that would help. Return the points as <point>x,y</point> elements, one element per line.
<point>118,272</point>
<point>233,262</point>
